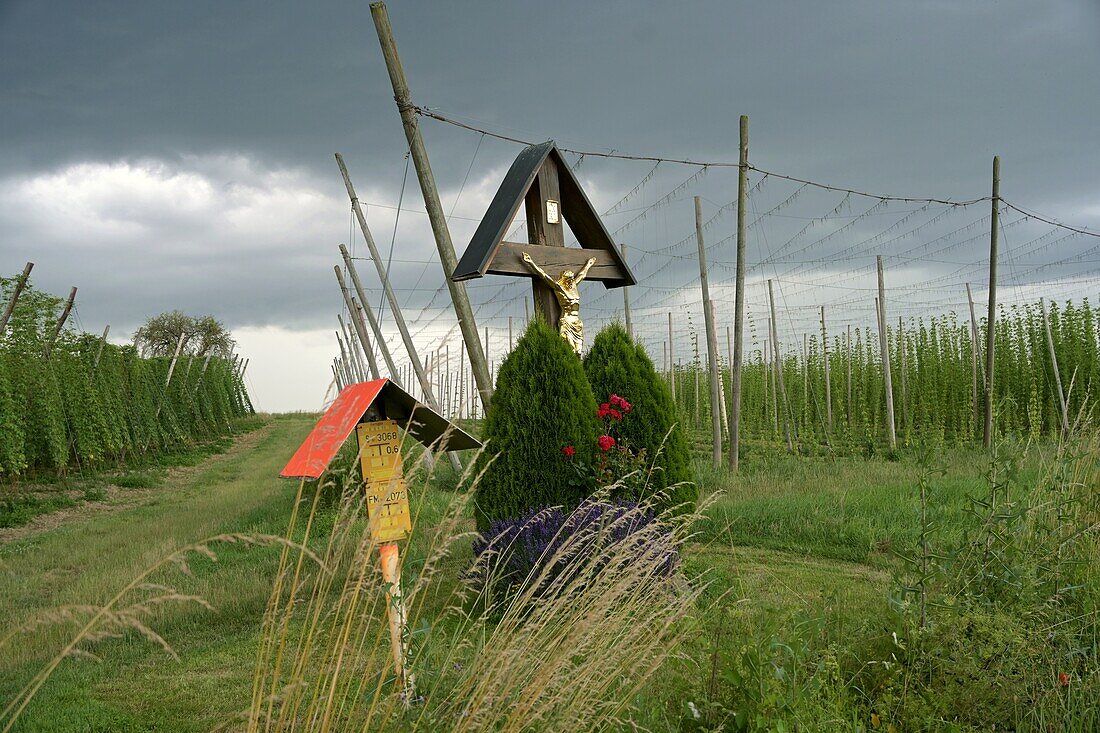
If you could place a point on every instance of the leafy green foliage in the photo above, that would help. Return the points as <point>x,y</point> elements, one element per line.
<point>542,404</point>
<point>64,410</point>
<point>202,335</point>
<point>617,365</point>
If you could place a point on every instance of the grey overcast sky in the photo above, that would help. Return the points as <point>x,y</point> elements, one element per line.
<point>179,155</point>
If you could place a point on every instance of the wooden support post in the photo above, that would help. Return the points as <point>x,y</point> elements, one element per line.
<point>828,381</point>
<point>778,363</point>
<point>729,360</point>
<point>721,380</point>
<point>805,379</point>
<point>991,318</point>
<point>511,344</point>
<point>61,321</point>
<point>848,403</point>
<point>671,362</point>
<point>102,344</point>
<point>739,298</point>
<point>19,285</point>
<point>344,356</point>
<point>357,360</point>
<point>391,298</point>
<point>1057,375</point>
<point>884,350</point>
<point>336,376</point>
<point>712,340</point>
<point>362,307</point>
<point>626,301</point>
<point>904,376</point>
<point>974,357</point>
<point>419,153</point>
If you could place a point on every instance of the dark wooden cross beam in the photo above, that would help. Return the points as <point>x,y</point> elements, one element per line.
<point>540,180</point>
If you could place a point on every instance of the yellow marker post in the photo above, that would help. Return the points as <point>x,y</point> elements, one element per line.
<point>387,500</point>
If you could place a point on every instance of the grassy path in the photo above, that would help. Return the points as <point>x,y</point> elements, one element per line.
<point>138,687</point>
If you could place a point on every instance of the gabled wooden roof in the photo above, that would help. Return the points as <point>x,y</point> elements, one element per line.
<point>348,410</point>
<point>576,209</point>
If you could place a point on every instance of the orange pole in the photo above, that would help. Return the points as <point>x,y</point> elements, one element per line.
<point>395,608</point>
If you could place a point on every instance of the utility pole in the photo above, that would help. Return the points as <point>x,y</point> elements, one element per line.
<point>447,258</point>
<point>712,339</point>
<point>1057,374</point>
<point>884,350</point>
<point>357,321</point>
<point>777,361</point>
<point>974,360</point>
<point>395,306</point>
<point>626,301</point>
<point>19,285</point>
<point>61,321</point>
<point>991,319</point>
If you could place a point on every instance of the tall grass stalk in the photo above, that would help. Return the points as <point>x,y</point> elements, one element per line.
<point>571,656</point>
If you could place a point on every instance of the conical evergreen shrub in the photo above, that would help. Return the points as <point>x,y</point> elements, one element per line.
<point>542,404</point>
<point>617,365</point>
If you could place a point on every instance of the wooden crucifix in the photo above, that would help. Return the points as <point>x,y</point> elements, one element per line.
<point>540,180</point>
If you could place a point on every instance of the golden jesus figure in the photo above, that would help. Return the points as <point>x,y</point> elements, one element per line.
<point>570,326</point>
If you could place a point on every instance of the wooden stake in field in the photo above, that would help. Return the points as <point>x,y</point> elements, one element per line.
<point>884,349</point>
<point>974,360</point>
<point>778,362</point>
<point>463,310</point>
<point>626,301</point>
<point>828,381</point>
<point>739,298</point>
<point>848,404</point>
<point>991,319</point>
<point>904,375</point>
<point>19,285</point>
<point>712,340</point>
<point>102,343</point>
<point>1054,365</point>
<point>60,321</point>
<point>671,363</point>
<point>356,308</point>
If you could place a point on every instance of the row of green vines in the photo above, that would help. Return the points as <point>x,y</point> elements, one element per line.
<point>77,402</point>
<point>933,381</point>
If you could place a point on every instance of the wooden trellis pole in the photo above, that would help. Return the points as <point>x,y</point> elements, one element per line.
<point>1054,364</point>
<point>884,349</point>
<point>828,381</point>
<point>991,319</point>
<point>626,300</point>
<point>778,363</point>
<point>102,343</point>
<point>362,307</point>
<point>712,341</point>
<point>16,291</point>
<point>974,360</point>
<point>739,298</point>
<point>463,310</point>
<point>61,321</point>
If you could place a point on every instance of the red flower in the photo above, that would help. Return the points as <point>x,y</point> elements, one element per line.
<point>568,451</point>
<point>615,400</point>
<point>616,414</point>
<point>602,412</point>
<point>1063,679</point>
<point>606,442</point>
<point>625,406</point>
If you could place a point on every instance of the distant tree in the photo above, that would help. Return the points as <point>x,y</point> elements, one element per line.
<point>203,335</point>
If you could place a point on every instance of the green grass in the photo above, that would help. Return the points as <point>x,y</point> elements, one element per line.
<point>797,556</point>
